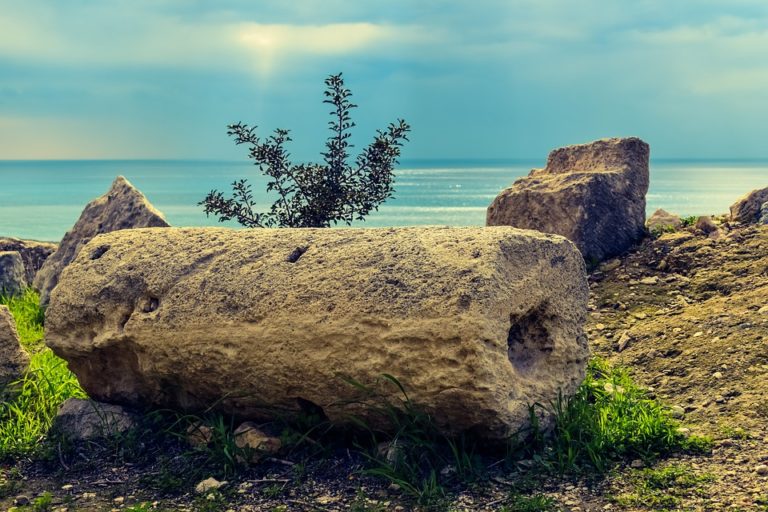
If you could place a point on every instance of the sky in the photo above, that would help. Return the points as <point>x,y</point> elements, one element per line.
<point>479,79</point>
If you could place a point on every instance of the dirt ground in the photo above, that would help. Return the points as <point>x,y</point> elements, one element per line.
<point>687,313</point>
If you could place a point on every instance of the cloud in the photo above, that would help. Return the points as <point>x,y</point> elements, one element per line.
<point>35,35</point>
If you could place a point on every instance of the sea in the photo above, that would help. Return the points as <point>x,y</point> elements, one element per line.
<point>41,200</point>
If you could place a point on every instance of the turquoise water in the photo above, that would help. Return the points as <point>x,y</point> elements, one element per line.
<point>42,199</point>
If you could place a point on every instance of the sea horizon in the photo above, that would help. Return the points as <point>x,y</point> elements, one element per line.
<point>41,199</point>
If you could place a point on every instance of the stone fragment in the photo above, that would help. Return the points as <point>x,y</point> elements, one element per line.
<point>677,412</point>
<point>33,253</point>
<point>208,485</point>
<point>592,194</point>
<point>13,358</point>
<point>705,224</point>
<point>12,277</point>
<point>84,420</point>
<point>747,210</point>
<point>199,434</point>
<point>122,207</point>
<point>249,437</point>
<point>475,323</point>
<point>662,220</point>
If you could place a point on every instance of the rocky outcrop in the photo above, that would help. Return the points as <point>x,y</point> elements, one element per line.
<point>476,323</point>
<point>84,420</point>
<point>13,359</point>
<point>122,207</point>
<point>12,276</point>
<point>592,194</point>
<point>749,209</point>
<point>662,220</point>
<point>33,253</point>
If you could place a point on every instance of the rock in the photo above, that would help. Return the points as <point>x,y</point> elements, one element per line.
<point>747,210</point>
<point>650,280</point>
<point>677,412</point>
<point>763,310</point>
<point>199,434</point>
<point>761,469</point>
<point>624,341</point>
<point>249,437</point>
<point>33,253</point>
<point>476,323</point>
<point>209,484</point>
<point>705,224</point>
<point>662,220</point>
<point>21,500</point>
<point>763,217</point>
<point>637,464</point>
<point>13,279</point>
<point>122,207</point>
<point>84,420</point>
<point>593,194</point>
<point>13,358</point>
<point>610,265</point>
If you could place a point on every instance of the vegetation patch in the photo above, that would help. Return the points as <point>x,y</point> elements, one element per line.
<point>662,489</point>
<point>27,416</point>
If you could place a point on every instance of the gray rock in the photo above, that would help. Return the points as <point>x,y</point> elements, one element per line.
<point>84,420</point>
<point>593,194</point>
<point>122,207</point>
<point>13,358</point>
<point>33,253</point>
<point>747,210</point>
<point>763,219</point>
<point>12,277</point>
<point>476,323</point>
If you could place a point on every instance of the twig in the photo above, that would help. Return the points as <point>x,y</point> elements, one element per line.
<point>61,458</point>
<point>281,461</point>
<point>270,481</point>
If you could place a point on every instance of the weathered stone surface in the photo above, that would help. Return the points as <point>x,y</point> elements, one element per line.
<point>33,253</point>
<point>747,209</point>
<point>763,218</point>
<point>12,277</point>
<point>662,220</point>
<point>122,207</point>
<point>592,194</point>
<point>476,323</point>
<point>83,420</point>
<point>13,359</point>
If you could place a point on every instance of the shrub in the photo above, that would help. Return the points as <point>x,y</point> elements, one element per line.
<point>314,195</point>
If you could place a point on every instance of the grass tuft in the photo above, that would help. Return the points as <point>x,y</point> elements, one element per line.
<point>609,418</point>
<point>27,416</point>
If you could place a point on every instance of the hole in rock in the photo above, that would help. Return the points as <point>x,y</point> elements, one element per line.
<point>296,254</point>
<point>150,304</point>
<point>99,252</point>
<point>528,341</point>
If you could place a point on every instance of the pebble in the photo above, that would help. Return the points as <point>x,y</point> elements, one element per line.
<point>119,500</point>
<point>21,500</point>
<point>67,487</point>
<point>677,412</point>
<point>640,316</point>
<point>600,327</point>
<point>650,280</point>
<point>717,375</point>
<point>763,309</point>
<point>89,495</point>
<point>761,470</point>
<point>637,464</point>
<point>209,484</point>
<point>698,334</point>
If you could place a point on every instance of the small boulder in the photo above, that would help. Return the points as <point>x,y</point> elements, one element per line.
<point>662,220</point>
<point>122,207</point>
<point>84,420</point>
<point>705,224</point>
<point>249,437</point>
<point>13,358</point>
<point>593,194</point>
<point>33,253</point>
<point>747,210</point>
<point>199,434</point>
<point>12,277</point>
<point>208,485</point>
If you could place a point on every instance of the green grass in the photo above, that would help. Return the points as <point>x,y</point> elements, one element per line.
<point>662,489</point>
<point>534,503</point>
<point>610,418</point>
<point>27,416</point>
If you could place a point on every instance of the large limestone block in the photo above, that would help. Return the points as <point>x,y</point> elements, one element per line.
<point>122,207</point>
<point>476,323</point>
<point>13,359</point>
<point>33,253</point>
<point>592,194</point>
<point>748,209</point>
<point>12,277</point>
